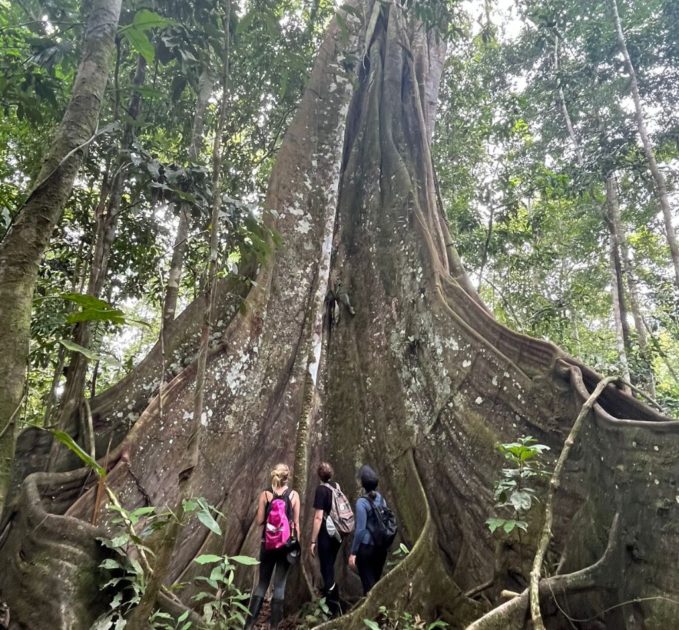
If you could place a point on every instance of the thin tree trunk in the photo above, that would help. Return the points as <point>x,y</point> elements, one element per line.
<point>106,215</point>
<point>617,314</point>
<point>617,288</point>
<point>658,177</point>
<point>618,229</point>
<point>564,106</point>
<point>613,207</point>
<point>139,617</point>
<point>24,245</point>
<point>486,247</point>
<point>205,84</point>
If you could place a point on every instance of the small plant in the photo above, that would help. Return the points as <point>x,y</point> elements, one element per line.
<point>223,605</point>
<point>514,494</point>
<point>165,621</point>
<point>392,620</point>
<point>315,612</point>
<point>397,555</point>
<point>129,565</point>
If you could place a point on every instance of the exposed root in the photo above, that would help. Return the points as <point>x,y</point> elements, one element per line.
<point>512,614</point>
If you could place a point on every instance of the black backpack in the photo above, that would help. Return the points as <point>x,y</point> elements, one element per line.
<point>382,526</point>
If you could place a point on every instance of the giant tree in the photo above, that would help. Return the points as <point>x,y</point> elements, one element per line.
<point>421,381</point>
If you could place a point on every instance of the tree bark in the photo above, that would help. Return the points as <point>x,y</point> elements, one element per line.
<point>24,245</point>
<point>658,177</point>
<point>421,382</point>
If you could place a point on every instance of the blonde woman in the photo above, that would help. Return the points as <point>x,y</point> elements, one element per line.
<point>278,516</point>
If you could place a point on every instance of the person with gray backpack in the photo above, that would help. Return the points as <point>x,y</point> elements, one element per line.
<point>333,519</point>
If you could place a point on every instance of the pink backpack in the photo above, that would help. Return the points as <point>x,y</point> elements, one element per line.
<point>277,523</point>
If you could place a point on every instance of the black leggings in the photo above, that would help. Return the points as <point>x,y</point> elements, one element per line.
<point>268,561</point>
<point>370,564</point>
<point>327,552</point>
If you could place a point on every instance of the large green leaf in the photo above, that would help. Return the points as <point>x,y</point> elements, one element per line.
<point>113,315</point>
<point>140,43</point>
<point>75,448</point>
<point>246,560</point>
<point>74,347</point>
<point>145,19</point>
<point>208,558</point>
<point>86,301</point>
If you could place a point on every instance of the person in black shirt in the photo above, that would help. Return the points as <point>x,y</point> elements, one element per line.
<point>326,545</point>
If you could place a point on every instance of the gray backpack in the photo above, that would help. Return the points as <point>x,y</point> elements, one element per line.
<point>340,521</point>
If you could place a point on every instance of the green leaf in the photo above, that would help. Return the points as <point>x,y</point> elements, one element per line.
<point>190,505</point>
<point>494,523</point>
<point>75,448</point>
<point>119,541</point>
<point>208,520</point>
<point>136,566</point>
<point>110,563</point>
<point>217,573</point>
<point>74,347</point>
<point>113,315</point>
<point>86,301</point>
<point>371,624</point>
<point>140,43</point>
<point>208,558</point>
<point>246,560</point>
<point>520,500</point>
<point>136,515</point>
<point>201,596</point>
<point>145,20</point>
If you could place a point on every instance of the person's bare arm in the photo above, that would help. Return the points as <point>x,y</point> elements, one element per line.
<point>316,527</point>
<point>295,511</point>
<point>261,508</point>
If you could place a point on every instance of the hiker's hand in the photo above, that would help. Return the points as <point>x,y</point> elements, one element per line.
<point>352,561</point>
<point>312,549</point>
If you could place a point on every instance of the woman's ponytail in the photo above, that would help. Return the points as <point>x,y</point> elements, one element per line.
<point>279,476</point>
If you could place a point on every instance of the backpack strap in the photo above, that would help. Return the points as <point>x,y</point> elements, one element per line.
<point>332,496</point>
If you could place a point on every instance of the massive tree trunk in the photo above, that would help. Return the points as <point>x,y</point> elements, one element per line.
<point>422,382</point>
<point>24,245</point>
